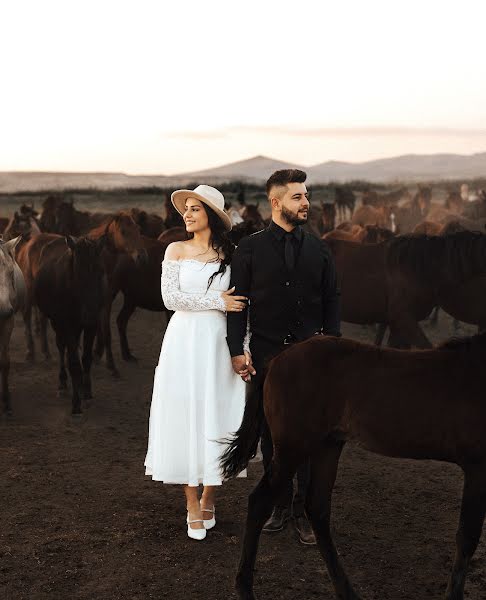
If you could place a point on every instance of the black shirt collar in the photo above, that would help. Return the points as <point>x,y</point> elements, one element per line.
<point>279,232</point>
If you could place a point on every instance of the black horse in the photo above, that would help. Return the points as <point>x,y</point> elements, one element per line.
<point>68,289</point>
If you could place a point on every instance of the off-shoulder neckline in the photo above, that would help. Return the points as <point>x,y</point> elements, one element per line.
<point>181,260</point>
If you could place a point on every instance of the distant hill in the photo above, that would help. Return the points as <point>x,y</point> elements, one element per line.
<point>410,167</point>
<point>257,168</point>
<point>406,168</point>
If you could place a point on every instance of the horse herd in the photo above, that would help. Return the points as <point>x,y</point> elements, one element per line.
<point>75,263</point>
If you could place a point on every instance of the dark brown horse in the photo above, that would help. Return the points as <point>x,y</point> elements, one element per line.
<point>68,289</point>
<point>150,224</point>
<point>428,416</point>
<point>139,282</point>
<point>345,201</point>
<point>427,271</point>
<point>362,280</point>
<point>122,238</point>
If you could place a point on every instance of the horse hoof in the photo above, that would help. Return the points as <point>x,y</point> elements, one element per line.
<point>115,373</point>
<point>76,417</point>
<point>29,357</point>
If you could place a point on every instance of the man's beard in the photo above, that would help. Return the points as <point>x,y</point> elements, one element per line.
<point>291,218</point>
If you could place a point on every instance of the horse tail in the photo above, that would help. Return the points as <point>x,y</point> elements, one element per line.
<point>242,446</point>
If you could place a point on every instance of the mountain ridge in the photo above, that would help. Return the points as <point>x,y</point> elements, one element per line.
<point>402,168</point>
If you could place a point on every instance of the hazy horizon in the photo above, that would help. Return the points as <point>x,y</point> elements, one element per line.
<point>157,89</point>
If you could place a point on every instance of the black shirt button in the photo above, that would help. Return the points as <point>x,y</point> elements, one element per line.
<point>287,283</point>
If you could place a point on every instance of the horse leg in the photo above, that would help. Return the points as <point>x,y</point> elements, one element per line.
<point>106,328</point>
<point>100,346</point>
<point>6,333</point>
<point>124,315</point>
<point>43,336</point>
<point>61,346</point>
<point>27,317</point>
<point>76,372</point>
<point>324,465</point>
<point>473,509</point>
<point>37,326</point>
<point>260,505</point>
<point>87,360</point>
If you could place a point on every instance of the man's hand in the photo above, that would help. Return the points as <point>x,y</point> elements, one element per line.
<point>243,366</point>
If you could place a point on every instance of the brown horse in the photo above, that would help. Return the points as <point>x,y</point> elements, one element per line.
<point>122,237</point>
<point>28,257</point>
<point>369,215</point>
<point>21,224</point>
<point>365,235</point>
<point>313,416</point>
<point>68,289</point>
<point>174,234</point>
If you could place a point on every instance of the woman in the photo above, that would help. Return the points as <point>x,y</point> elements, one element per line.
<point>197,398</point>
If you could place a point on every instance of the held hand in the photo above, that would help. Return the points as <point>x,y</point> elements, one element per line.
<point>233,303</point>
<point>243,366</point>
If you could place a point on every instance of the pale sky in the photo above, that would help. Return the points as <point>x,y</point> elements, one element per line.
<point>170,86</point>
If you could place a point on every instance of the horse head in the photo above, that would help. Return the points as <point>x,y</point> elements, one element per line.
<point>124,236</point>
<point>87,275</point>
<point>11,279</point>
<point>253,218</point>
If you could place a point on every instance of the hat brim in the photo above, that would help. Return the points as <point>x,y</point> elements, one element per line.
<point>179,198</point>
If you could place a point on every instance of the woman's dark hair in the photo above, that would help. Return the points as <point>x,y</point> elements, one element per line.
<point>220,241</point>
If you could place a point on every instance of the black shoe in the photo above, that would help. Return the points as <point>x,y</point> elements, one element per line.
<point>304,529</point>
<point>279,519</point>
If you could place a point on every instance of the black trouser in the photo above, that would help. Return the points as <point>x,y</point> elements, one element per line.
<point>262,353</point>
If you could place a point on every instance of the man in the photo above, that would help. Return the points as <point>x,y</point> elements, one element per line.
<point>289,277</point>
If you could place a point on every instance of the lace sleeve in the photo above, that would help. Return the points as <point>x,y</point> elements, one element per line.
<point>174,299</point>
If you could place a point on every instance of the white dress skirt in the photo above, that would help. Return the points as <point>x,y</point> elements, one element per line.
<point>198,400</point>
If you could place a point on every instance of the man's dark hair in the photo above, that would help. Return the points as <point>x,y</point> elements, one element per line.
<point>285,176</point>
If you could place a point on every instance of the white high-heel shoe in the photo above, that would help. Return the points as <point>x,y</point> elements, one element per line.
<point>195,534</point>
<point>209,523</point>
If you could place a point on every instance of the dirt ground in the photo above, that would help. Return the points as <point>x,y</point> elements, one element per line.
<point>79,519</point>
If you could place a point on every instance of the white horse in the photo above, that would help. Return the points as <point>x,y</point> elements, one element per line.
<point>12,297</point>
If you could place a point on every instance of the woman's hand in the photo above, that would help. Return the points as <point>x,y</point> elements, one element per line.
<point>233,303</point>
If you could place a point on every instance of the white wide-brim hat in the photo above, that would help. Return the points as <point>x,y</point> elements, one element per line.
<point>207,194</point>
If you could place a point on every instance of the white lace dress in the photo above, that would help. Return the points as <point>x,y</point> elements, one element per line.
<point>197,398</point>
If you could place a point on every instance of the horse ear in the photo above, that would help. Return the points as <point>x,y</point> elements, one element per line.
<point>70,241</point>
<point>10,245</point>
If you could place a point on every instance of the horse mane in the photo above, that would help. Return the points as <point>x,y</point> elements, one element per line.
<point>453,258</point>
<point>102,228</point>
